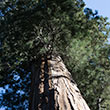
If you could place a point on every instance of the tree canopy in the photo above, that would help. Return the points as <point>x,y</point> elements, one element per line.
<point>32,28</point>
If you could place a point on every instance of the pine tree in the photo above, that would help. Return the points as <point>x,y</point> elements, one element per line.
<point>34,33</point>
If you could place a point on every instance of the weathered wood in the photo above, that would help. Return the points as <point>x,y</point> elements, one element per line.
<point>53,87</point>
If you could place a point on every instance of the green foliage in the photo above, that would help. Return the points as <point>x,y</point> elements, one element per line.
<point>31,28</point>
<point>52,27</point>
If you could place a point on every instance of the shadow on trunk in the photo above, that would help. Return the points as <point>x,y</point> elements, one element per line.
<point>52,87</point>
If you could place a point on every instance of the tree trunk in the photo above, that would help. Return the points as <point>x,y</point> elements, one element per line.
<point>52,87</point>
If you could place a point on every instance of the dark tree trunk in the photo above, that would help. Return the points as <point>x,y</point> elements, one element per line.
<point>52,87</point>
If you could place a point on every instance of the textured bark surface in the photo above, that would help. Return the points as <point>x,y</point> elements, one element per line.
<point>53,88</point>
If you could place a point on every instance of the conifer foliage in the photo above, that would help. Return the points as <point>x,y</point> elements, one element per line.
<point>32,28</point>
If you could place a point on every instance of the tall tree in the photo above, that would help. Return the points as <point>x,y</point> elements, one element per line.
<point>35,34</point>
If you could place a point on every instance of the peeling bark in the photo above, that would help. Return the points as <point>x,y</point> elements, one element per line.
<point>52,87</point>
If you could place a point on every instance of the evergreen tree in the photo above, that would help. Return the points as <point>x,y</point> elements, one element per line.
<point>31,29</point>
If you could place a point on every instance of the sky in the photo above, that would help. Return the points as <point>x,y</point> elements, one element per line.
<point>103,6</point>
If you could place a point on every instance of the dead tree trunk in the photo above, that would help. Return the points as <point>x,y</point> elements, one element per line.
<point>52,87</point>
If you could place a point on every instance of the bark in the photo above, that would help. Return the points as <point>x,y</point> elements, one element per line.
<point>52,87</point>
